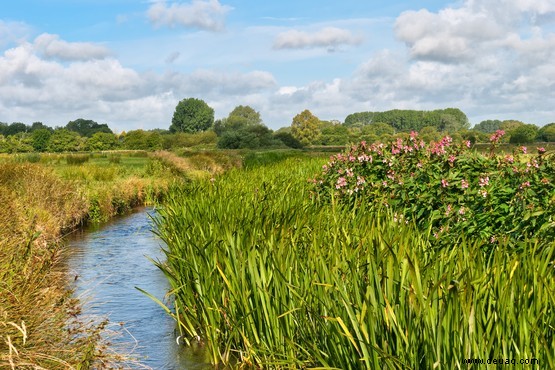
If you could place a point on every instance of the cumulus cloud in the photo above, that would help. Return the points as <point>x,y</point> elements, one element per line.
<point>476,28</point>
<point>329,37</point>
<point>204,14</point>
<point>51,46</point>
<point>12,32</point>
<point>36,88</point>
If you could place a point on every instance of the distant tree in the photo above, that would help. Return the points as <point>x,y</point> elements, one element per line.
<point>452,119</point>
<point>525,133</point>
<point>40,126</point>
<point>136,140</point>
<point>288,139</point>
<point>40,138</point>
<point>360,118</point>
<point>154,140</point>
<point>15,128</point>
<point>102,141</point>
<point>248,137</point>
<point>488,126</point>
<point>243,115</point>
<point>305,127</point>
<point>192,115</point>
<point>63,140</point>
<point>87,127</point>
<point>547,133</point>
<point>378,128</point>
<point>429,134</point>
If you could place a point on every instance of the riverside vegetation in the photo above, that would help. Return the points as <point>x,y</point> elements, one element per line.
<point>44,196</point>
<point>398,256</point>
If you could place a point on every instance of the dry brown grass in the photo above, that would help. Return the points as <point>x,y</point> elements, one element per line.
<point>38,318</point>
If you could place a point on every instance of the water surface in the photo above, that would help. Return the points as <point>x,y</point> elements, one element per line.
<point>109,262</point>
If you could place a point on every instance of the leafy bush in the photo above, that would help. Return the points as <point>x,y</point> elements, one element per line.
<point>448,188</point>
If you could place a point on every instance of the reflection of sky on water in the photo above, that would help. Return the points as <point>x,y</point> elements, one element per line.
<point>110,262</point>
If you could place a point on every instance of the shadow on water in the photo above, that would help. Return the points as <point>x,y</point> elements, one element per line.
<point>109,262</point>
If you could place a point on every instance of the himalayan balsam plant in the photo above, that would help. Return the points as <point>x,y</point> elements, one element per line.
<point>448,188</point>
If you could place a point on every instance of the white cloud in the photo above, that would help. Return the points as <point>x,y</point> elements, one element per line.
<point>203,14</point>
<point>13,32</point>
<point>52,47</point>
<point>328,37</point>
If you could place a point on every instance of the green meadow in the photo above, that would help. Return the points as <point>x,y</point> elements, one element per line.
<point>281,266</point>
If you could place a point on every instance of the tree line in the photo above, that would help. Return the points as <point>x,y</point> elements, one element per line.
<point>193,124</point>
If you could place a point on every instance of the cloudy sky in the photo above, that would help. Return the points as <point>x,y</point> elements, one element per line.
<point>128,62</point>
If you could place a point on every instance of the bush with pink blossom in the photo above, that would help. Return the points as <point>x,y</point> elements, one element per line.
<point>449,189</point>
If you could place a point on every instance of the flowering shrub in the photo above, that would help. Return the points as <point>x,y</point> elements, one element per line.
<point>448,188</point>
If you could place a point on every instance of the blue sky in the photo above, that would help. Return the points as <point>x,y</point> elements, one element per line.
<point>127,63</point>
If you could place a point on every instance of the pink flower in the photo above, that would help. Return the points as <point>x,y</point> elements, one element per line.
<point>452,159</point>
<point>341,182</point>
<point>484,181</point>
<point>464,184</point>
<point>525,184</point>
<point>497,135</point>
<point>467,143</point>
<point>444,183</point>
<point>523,149</point>
<point>541,150</point>
<point>509,159</point>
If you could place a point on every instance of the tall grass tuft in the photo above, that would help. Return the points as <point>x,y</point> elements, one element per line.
<point>263,274</point>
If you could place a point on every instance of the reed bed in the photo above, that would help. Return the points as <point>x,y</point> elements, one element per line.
<point>264,274</point>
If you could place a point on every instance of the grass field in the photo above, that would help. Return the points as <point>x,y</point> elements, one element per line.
<point>266,273</point>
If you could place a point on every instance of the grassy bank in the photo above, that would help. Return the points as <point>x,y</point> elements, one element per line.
<point>43,197</point>
<point>265,275</point>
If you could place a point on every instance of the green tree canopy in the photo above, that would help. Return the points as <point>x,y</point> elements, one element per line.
<point>525,133</point>
<point>192,115</point>
<point>63,140</point>
<point>87,127</point>
<point>102,141</point>
<point>40,126</point>
<point>40,138</point>
<point>547,132</point>
<point>488,126</point>
<point>243,115</point>
<point>305,127</point>
<point>15,128</point>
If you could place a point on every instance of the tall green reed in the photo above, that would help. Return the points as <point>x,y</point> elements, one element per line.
<point>263,274</point>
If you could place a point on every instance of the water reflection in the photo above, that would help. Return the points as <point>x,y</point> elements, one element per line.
<point>109,262</point>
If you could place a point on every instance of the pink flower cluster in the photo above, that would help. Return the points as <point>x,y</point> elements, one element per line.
<point>497,135</point>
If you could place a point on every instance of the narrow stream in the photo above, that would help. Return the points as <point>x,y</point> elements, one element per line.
<point>109,262</point>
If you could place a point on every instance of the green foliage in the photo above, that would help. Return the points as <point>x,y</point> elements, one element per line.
<point>448,120</point>
<point>450,190</point>
<point>288,139</point>
<point>524,134</point>
<point>14,129</point>
<point>63,140</point>
<point>87,127</point>
<point>361,118</point>
<point>102,141</point>
<point>142,140</point>
<point>243,116</point>
<point>305,127</point>
<point>547,133</point>
<point>488,126</point>
<point>263,275</point>
<point>40,138</point>
<point>247,137</point>
<point>192,115</point>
